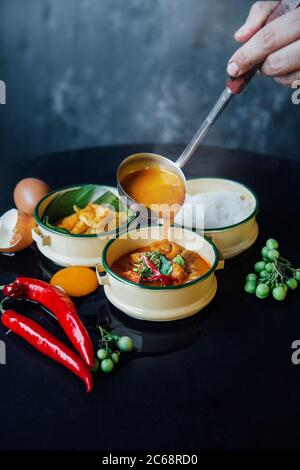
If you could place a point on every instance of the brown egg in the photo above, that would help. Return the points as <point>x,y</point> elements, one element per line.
<point>15,231</point>
<point>28,193</point>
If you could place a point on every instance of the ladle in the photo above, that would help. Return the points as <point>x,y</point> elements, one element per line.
<point>234,86</point>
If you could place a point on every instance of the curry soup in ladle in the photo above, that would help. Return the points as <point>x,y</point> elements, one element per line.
<point>154,186</point>
<point>153,182</point>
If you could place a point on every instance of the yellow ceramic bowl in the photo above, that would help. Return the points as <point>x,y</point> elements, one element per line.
<point>234,239</point>
<point>156,303</point>
<point>68,249</point>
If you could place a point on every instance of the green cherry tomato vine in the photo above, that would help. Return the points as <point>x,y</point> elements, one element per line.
<point>110,348</point>
<point>274,275</point>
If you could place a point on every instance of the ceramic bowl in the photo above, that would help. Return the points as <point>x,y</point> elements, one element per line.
<point>68,249</point>
<point>234,239</point>
<point>158,303</point>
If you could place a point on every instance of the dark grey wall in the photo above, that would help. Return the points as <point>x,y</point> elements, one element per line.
<point>97,72</point>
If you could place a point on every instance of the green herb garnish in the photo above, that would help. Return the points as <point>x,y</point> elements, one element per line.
<point>179,260</point>
<point>159,262</point>
<point>165,266</point>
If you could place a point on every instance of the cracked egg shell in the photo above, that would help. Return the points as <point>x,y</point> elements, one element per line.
<point>15,231</point>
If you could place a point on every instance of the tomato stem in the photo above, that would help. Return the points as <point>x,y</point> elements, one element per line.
<point>277,269</point>
<point>2,310</point>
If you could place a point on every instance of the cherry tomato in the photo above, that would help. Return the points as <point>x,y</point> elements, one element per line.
<point>272,244</point>
<point>114,357</point>
<point>292,283</point>
<point>102,354</point>
<point>251,277</point>
<point>262,291</point>
<point>273,255</point>
<point>279,293</point>
<point>297,275</point>
<point>125,344</point>
<point>250,287</point>
<point>107,365</point>
<point>269,267</point>
<point>259,266</point>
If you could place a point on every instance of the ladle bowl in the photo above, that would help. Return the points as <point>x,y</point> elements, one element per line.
<point>141,161</point>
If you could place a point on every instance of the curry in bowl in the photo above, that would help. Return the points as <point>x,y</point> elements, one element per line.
<point>180,294</point>
<point>162,263</point>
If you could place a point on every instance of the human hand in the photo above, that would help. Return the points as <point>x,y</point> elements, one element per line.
<point>276,45</point>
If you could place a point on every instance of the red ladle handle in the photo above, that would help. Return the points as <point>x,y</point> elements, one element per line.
<point>236,85</point>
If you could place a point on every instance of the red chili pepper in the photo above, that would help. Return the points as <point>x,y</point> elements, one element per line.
<point>14,290</point>
<point>47,344</point>
<point>61,306</point>
<point>157,276</point>
<point>161,278</point>
<point>151,266</point>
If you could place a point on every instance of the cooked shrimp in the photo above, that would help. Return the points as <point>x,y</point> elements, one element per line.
<point>188,255</point>
<point>175,250</point>
<point>178,273</point>
<point>131,276</point>
<point>163,246</point>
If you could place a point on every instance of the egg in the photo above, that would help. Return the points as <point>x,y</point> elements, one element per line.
<point>76,281</point>
<point>28,193</point>
<point>15,231</point>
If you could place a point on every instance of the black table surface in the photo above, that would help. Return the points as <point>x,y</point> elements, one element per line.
<point>222,379</point>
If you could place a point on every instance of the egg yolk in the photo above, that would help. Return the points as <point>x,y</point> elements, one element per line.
<point>76,281</point>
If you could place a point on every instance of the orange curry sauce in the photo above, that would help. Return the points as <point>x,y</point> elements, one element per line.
<point>155,186</point>
<point>128,265</point>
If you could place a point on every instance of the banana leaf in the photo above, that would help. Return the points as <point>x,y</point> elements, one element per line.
<point>62,205</point>
<point>112,200</point>
<point>58,229</point>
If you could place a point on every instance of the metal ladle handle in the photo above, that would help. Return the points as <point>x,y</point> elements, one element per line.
<point>234,86</point>
<point>200,135</point>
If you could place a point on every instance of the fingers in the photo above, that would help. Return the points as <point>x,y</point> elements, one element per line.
<point>258,15</point>
<point>291,80</point>
<point>277,34</point>
<point>282,62</point>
